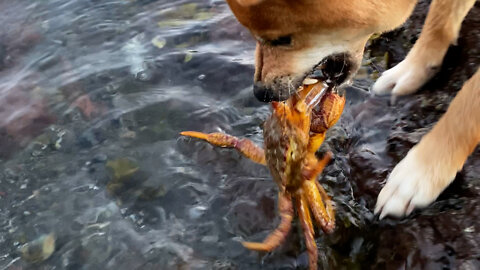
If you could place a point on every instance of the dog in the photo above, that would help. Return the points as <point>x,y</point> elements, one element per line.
<point>295,36</point>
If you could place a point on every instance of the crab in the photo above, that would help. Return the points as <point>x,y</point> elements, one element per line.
<point>292,136</point>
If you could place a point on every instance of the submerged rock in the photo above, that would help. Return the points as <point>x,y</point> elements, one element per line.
<point>39,249</point>
<point>122,168</point>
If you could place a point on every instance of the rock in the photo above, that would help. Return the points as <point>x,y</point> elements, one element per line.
<point>39,249</point>
<point>122,168</point>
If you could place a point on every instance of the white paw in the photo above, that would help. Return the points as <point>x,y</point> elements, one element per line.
<point>404,78</point>
<point>413,183</point>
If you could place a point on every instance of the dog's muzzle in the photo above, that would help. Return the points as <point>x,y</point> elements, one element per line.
<point>333,70</point>
<point>266,94</point>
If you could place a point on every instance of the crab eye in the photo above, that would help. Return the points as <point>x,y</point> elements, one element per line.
<point>281,41</point>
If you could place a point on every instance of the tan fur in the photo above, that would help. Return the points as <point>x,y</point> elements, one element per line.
<point>432,164</point>
<point>458,131</point>
<point>455,136</point>
<point>323,27</point>
<point>440,31</point>
<point>247,3</point>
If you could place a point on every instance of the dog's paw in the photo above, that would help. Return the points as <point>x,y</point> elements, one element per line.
<point>404,78</point>
<point>414,183</point>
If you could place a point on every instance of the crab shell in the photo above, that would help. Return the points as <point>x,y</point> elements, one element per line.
<point>287,134</point>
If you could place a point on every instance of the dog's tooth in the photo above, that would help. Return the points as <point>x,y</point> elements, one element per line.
<point>309,81</point>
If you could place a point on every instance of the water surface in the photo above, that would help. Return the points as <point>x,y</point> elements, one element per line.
<point>93,95</point>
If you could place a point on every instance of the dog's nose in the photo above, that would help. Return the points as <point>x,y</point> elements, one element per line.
<point>262,93</point>
<point>266,94</point>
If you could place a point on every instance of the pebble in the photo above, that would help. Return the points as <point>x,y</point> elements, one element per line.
<point>39,249</point>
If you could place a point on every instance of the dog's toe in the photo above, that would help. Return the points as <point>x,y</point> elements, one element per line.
<point>395,198</point>
<point>412,184</point>
<point>403,79</point>
<point>385,84</point>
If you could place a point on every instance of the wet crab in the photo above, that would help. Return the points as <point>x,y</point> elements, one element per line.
<point>292,135</point>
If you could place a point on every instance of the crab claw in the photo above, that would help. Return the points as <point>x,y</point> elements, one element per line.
<point>328,111</point>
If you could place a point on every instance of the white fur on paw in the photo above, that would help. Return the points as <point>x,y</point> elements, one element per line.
<point>403,79</point>
<point>412,184</point>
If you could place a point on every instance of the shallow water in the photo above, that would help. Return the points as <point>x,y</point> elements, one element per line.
<point>93,95</point>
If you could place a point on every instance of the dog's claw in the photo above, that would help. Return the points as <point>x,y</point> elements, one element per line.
<point>410,208</point>
<point>382,215</point>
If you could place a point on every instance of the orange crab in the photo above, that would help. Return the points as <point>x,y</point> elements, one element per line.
<point>292,135</point>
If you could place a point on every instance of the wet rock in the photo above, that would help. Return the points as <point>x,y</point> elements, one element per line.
<point>97,247</point>
<point>88,108</point>
<point>223,265</point>
<point>129,183</point>
<point>181,15</point>
<point>122,171</point>
<point>39,249</point>
<point>159,42</point>
<point>22,117</point>
<point>122,168</point>
<point>3,55</point>
<point>381,136</point>
<point>100,158</point>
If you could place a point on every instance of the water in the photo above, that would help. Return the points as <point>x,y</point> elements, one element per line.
<point>93,95</point>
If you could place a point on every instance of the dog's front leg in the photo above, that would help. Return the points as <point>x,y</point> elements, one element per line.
<point>441,29</point>
<point>432,164</point>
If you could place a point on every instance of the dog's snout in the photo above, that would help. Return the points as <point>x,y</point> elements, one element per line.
<point>262,93</point>
<point>266,94</point>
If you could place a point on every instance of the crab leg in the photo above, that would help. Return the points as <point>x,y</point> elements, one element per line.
<point>245,146</point>
<point>328,203</point>
<point>314,166</point>
<point>315,142</point>
<point>323,215</point>
<point>301,205</point>
<point>316,196</point>
<point>276,238</point>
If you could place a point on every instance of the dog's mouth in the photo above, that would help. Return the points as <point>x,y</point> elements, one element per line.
<point>333,70</point>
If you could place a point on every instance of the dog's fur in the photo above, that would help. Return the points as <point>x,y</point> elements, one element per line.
<point>295,36</point>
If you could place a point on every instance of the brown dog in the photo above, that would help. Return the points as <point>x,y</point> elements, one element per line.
<point>294,36</point>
